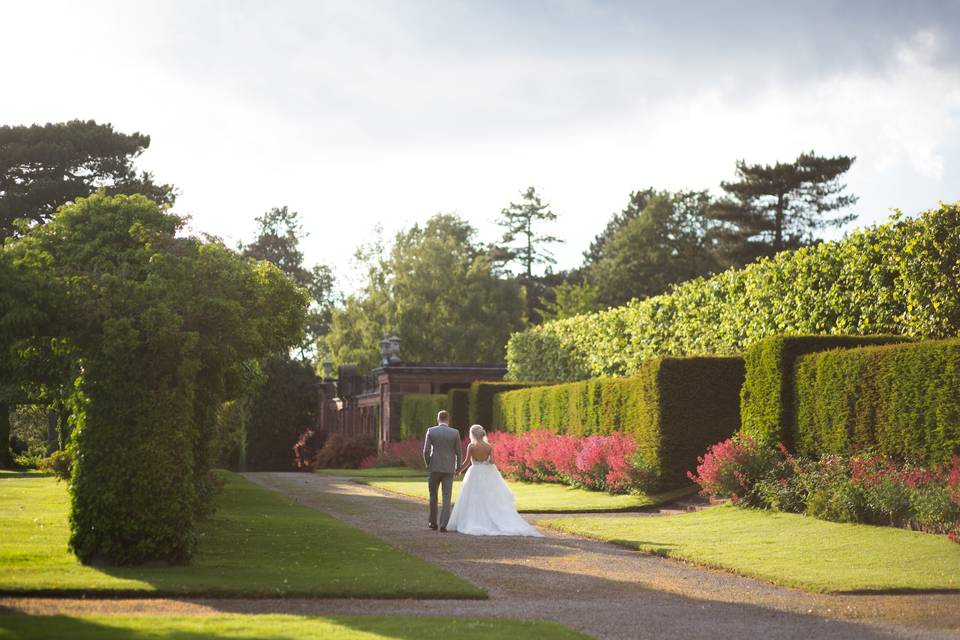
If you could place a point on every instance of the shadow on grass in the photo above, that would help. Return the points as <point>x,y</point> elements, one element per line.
<point>563,598</point>
<point>284,627</point>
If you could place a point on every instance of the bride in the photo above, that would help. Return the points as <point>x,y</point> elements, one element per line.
<point>485,504</point>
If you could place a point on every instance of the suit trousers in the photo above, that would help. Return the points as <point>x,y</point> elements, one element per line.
<point>438,479</point>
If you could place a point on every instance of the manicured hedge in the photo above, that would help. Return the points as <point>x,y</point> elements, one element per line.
<point>675,407</point>
<point>900,400</point>
<point>898,278</point>
<point>766,401</point>
<point>418,412</point>
<point>458,403</point>
<point>481,400</point>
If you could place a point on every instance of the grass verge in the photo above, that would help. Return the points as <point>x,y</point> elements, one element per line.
<point>540,497</point>
<point>258,544</point>
<point>787,549</point>
<point>278,627</point>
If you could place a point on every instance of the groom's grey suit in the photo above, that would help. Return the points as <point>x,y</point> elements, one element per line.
<point>441,453</point>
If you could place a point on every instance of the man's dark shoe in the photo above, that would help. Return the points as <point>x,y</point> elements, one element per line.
<point>443,529</point>
<point>432,526</point>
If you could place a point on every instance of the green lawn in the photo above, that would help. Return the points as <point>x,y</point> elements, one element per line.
<point>376,472</point>
<point>539,497</point>
<point>277,627</point>
<point>787,549</point>
<point>257,544</point>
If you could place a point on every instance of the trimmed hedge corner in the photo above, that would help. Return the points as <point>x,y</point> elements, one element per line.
<point>481,400</point>
<point>900,400</point>
<point>418,412</point>
<point>766,400</point>
<point>674,407</point>
<point>458,402</point>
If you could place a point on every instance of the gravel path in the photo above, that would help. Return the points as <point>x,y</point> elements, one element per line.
<point>603,590</point>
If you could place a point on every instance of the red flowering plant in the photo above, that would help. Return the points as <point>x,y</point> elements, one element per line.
<point>732,469</point>
<point>604,463</point>
<point>404,453</point>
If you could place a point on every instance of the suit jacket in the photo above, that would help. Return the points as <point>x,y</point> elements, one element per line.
<point>441,449</point>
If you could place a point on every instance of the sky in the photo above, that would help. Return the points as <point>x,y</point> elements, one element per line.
<point>366,112</point>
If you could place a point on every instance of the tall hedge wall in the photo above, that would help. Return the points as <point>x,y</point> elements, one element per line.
<point>676,408</point>
<point>481,400</point>
<point>766,400</point>
<point>458,402</point>
<point>898,278</point>
<point>418,412</point>
<point>901,400</point>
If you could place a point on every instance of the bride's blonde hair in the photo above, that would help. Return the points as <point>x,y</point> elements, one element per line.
<point>478,433</point>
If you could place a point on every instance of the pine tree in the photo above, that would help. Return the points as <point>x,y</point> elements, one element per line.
<point>772,208</point>
<point>45,166</point>
<point>518,221</point>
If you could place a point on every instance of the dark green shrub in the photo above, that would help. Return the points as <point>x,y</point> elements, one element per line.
<point>6,456</point>
<point>675,407</point>
<point>418,412</point>
<point>898,278</point>
<point>282,408</point>
<point>344,452</point>
<point>899,400</point>
<point>458,403</point>
<point>481,400</point>
<point>58,463</point>
<point>766,400</point>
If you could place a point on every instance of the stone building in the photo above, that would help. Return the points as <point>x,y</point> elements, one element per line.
<point>358,404</point>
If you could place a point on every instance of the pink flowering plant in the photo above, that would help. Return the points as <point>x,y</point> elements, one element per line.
<point>866,488</point>
<point>600,462</point>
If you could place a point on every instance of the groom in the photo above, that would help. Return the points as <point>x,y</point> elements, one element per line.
<point>441,453</point>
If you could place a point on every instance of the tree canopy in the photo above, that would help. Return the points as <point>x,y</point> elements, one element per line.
<point>665,242</point>
<point>279,233</point>
<point>769,208</point>
<point>151,330</point>
<point>45,166</point>
<point>437,289</point>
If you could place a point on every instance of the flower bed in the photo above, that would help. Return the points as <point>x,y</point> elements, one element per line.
<point>866,488</point>
<point>599,462</point>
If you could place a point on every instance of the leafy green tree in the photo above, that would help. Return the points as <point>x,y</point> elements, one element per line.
<point>438,290</point>
<point>665,243</point>
<point>278,239</point>
<point>637,203</point>
<point>157,330</point>
<point>770,208</point>
<point>45,166</point>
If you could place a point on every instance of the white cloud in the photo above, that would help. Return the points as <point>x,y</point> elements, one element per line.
<point>358,113</point>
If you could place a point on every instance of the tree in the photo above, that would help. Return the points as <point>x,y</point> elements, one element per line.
<point>158,329</point>
<point>667,242</point>
<point>278,241</point>
<point>772,208</point>
<point>518,221</point>
<point>437,289</point>
<point>45,166</point>
<point>637,203</point>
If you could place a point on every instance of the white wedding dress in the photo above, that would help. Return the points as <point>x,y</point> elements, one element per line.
<point>485,505</point>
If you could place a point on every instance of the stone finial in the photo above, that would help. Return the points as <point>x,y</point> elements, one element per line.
<point>390,351</point>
